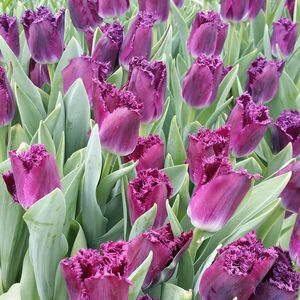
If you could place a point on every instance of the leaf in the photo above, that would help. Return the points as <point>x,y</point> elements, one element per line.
<point>44,137</point>
<point>173,292</point>
<point>116,77</point>
<point>78,241</point>
<point>267,43</point>
<point>13,293</point>
<point>250,164</point>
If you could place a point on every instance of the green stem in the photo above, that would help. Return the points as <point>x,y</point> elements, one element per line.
<point>3,142</point>
<point>196,242</point>
<point>107,165</point>
<point>51,70</point>
<point>192,115</point>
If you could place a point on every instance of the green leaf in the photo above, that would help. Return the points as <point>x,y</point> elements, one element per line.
<point>78,240</point>
<point>173,292</point>
<point>116,77</point>
<point>44,137</point>
<point>158,125</point>
<point>13,293</point>
<point>232,45</point>
<point>74,161</point>
<point>267,43</point>
<point>250,164</point>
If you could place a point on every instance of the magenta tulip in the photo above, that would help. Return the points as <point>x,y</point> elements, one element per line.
<point>294,246</point>
<point>178,3</point>
<point>290,4</point>
<point>38,73</point>
<point>160,8</point>
<point>109,8</point>
<point>234,10</point>
<point>255,6</point>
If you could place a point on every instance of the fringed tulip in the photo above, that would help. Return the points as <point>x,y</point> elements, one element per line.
<point>38,73</point>
<point>249,122</point>
<point>234,10</point>
<point>109,8</point>
<point>45,34</point>
<point>263,79</point>
<point>208,34</point>
<point>89,37</point>
<point>151,186</point>
<point>294,246</point>
<point>290,4</point>
<point>160,8</point>
<point>255,6</point>
<point>201,83</point>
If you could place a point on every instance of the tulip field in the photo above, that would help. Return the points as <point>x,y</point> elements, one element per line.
<point>149,150</point>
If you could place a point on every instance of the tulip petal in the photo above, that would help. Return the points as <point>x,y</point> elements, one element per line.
<point>108,8</point>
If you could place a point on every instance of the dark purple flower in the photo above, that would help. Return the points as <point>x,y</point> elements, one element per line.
<point>263,79</point>
<point>7,102</point>
<point>237,270</point>
<point>10,33</point>
<point>203,145</point>
<point>160,8</point>
<point>201,82</point>
<point>208,34</point>
<point>148,82</point>
<point>149,152</point>
<point>234,10</point>
<point>89,37</point>
<point>249,122</point>
<point>45,34</point>
<point>109,44</point>
<point>84,14</point>
<point>38,73</point>
<point>138,40</point>
<point>118,116</point>
<point>109,8</point>
<point>294,246</point>
<point>287,130</point>
<point>255,6</point>
<point>290,4</point>
<point>34,175</point>
<point>178,3</point>
<point>226,70</point>
<point>151,186</point>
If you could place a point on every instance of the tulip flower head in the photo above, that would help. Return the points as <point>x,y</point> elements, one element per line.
<point>109,8</point>
<point>38,73</point>
<point>290,4</point>
<point>255,6</point>
<point>178,3</point>
<point>160,8</point>
<point>294,245</point>
<point>234,10</point>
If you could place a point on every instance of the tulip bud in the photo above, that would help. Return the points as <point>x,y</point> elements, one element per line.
<point>263,79</point>
<point>255,6</point>
<point>149,152</point>
<point>34,175</point>
<point>86,68</point>
<point>203,145</point>
<point>178,3</point>
<point>284,35</point>
<point>109,8</point>
<point>45,34</point>
<point>249,122</point>
<point>166,249</point>
<point>201,82</point>
<point>118,116</point>
<point>237,270</point>
<point>159,8</point>
<point>10,33</point>
<point>290,4</point>
<point>38,73</point>
<point>138,40</point>
<point>151,186</point>
<point>148,82</point>
<point>7,102</point>
<point>108,47</point>
<point>287,130</point>
<point>208,34</point>
<point>234,10</point>
<point>294,246</point>
<point>84,14</point>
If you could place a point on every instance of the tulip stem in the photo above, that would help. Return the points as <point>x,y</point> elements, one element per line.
<point>3,142</point>
<point>192,115</point>
<point>51,72</point>
<point>107,165</point>
<point>196,242</point>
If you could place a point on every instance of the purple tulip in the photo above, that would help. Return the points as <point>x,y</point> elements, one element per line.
<point>237,270</point>
<point>146,297</point>
<point>84,14</point>
<point>86,68</point>
<point>281,282</point>
<point>108,46</point>
<point>160,8</point>
<point>287,130</point>
<point>118,116</point>
<point>151,186</point>
<point>284,35</point>
<point>34,175</point>
<point>148,82</point>
<point>149,152</point>
<point>290,4</point>
<point>263,79</point>
<point>165,247</point>
<point>109,8</point>
<point>249,123</point>
<point>294,246</point>
<point>178,3</point>
<point>201,82</point>
<point>138,40</point>
<point>45,34</point>
<point>7,102</point>
<point>234,10</point>
<point>255,6</point>
<point>208,34</point>
<point>203,145</point>
<point>89,37</point>
<point>38,73</point>
<point>10,33</point>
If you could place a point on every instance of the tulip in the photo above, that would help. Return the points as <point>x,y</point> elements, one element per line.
<point>34,175</point>
<point>234,10</point>
<point>160,8</point>
<point>109,8</point>
<point>290,4</point>
<point>225,190</point>
<point>108,47</point>
<point>255,6</point>
<point>237,270</point>
<point>145,297</point>
<point>178,3</point>
<point>201,83</point>
<point>151,186</point>
<point>89,37</point>
<point>294,246</point>
<point>281,282</point>
<point>203,145</point>
<point>118,116</point>
<point>38,73</point>
<point>166,249</point>
<point>84,14</point>
<point>149,152</point>
<point>284,35</point>
<point>10,33</point>
<point>263,79</point>
<point>45,34</point>
<point>138,40</point>
<point>287,130</point>
<point>86,68</point>
<point>249,122</point>
<point>208,34</point>
<point>148,82</point>
<point>7,102</point>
